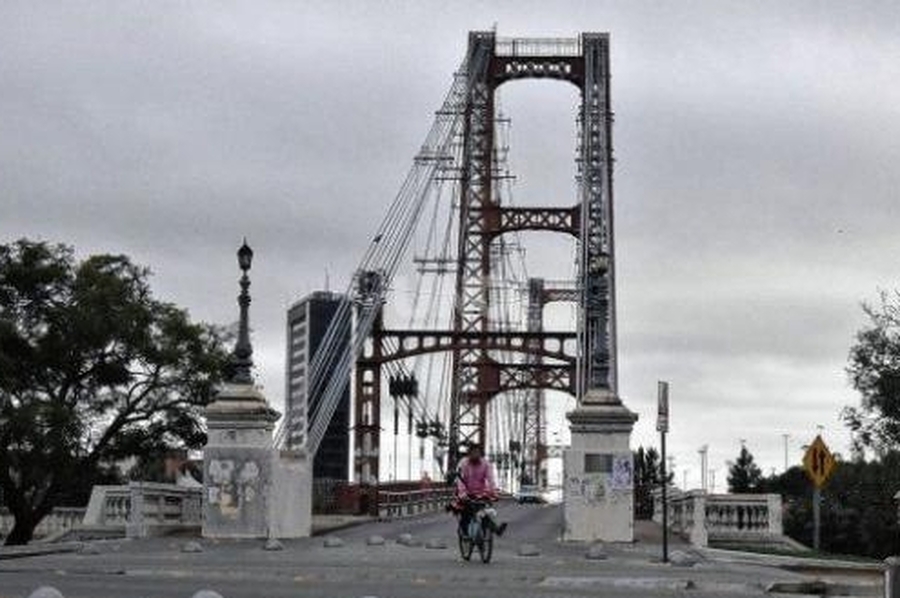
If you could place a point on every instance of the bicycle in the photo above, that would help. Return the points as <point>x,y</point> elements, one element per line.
<point>480,532</point>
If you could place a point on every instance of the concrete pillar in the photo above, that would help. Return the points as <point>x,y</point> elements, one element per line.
<point>238,464</point>
<point>598,468</point>
<point>776,527</point>
<point>892,577</point>
<point>699,534</point>
<point>135,526</point>
<point>290,506</point>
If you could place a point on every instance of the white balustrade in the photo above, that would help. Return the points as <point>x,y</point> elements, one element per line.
<point>58,521</point>
<point>703,518</point>
<point>144,508</point>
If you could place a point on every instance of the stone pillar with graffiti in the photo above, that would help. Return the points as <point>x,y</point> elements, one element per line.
<point>251,489</point>
<point>237,464</point>
<point>599,487</point>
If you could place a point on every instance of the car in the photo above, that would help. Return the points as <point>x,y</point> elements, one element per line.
<point>530,494</point>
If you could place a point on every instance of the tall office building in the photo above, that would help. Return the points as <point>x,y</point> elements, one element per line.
<point>307,323</point>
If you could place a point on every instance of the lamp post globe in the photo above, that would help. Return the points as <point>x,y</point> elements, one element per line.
<point>245,256</point>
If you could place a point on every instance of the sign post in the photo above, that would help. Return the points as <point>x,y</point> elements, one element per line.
<point>662,425</point>
<point>819,464</point>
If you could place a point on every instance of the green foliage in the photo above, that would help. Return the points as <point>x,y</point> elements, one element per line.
<point>647,477</point>
<point>744,476</point>
<point>874,369</point>
<point>859,515</point>
<point>94,370</point>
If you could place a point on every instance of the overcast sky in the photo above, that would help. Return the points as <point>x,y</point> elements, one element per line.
<point>756,151</point>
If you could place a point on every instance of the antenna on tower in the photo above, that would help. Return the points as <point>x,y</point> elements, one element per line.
<point>327,285</point>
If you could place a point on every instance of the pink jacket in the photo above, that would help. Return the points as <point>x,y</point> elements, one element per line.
<point>475,479</point>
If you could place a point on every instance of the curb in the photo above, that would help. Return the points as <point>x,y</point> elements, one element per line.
<point>636,583</point>
<point>788,562</point>
<point>327,529</point>
<point>21,552</point>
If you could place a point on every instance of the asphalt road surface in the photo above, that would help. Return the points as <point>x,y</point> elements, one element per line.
<point>157,568</point>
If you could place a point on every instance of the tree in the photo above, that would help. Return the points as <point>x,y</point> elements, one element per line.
<point>93,370</point>
<point>874,370</point>
<point>744,475</point>
<point>647,477</point>
<point>859,515</point>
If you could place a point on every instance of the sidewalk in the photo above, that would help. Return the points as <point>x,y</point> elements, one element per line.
<point>325,524</point>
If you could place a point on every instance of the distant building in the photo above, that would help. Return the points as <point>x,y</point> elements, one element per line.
<point>307,323</point>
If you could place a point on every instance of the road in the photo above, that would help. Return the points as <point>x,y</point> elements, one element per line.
<point>157,568</point>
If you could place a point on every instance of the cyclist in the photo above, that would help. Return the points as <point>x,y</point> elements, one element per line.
<point>474,481</point>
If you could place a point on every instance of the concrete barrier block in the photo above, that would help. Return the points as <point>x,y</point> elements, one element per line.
<point>192,546</point>
<point>596,552</point>
<point>333,542</point>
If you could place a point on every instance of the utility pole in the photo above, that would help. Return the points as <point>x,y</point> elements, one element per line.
<point>662,425</point>
<point>786,437</point>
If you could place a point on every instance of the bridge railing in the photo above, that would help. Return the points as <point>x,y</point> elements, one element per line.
<point>392,505</point>
<point>702,518</point>
<point>537,46</point>
<point>144,508</point>
<point>58,521</point>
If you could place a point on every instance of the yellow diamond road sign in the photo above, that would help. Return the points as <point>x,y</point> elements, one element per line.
<point>818,462</point>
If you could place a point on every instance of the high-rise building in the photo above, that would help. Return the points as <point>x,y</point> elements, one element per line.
<point>307,323</point>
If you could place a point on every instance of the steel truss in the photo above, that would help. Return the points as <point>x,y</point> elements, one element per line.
<point>534,430</point>
<point>477,376</point>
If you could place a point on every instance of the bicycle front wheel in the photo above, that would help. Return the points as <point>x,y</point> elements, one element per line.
<point>465,545</point>
<point>486,546</point>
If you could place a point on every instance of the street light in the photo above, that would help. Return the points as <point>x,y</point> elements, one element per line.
<point>703,451</point>
<point>241,357</point>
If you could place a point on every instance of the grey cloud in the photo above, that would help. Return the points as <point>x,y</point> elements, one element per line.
<point>755,178</point>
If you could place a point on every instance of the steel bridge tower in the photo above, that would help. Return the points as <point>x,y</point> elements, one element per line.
<point>534,421</point>
<point>491,62</point>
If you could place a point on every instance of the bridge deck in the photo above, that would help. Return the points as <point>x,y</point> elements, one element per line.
<point>156,568</point>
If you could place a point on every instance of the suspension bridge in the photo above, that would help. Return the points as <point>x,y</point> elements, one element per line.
<point>472,360</point>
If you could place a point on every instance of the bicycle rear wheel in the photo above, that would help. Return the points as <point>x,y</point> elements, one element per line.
<point>486,546</point>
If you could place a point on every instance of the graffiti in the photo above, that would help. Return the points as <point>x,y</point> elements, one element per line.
<point>621,473</point>
<point>589,488</point>
<point>232,485</point>
<point>596,488</point>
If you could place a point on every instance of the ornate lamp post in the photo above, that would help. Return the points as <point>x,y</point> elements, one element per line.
<point>241,357</point>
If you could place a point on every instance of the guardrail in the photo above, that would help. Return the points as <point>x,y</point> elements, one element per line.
<point>409,503</point>
<point>144,508</point>
<point>703,518</point>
